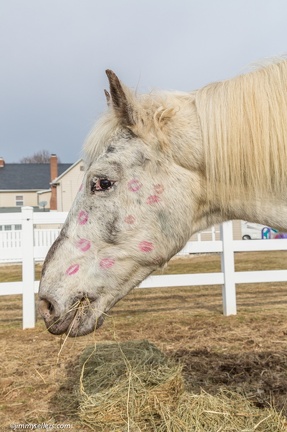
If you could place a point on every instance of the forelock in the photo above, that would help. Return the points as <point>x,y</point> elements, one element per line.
<point>152,112</point>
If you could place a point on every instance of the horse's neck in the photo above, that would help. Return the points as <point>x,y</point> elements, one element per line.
<point>272,213</point>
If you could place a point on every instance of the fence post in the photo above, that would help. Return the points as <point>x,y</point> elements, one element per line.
<point>28,269</point>
<point>227,267</point>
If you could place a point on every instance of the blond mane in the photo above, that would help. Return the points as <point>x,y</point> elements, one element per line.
<point>244,131</point>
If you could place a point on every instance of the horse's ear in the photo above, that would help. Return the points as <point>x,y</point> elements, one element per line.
<point>121,100</point>
<point>108,97</point>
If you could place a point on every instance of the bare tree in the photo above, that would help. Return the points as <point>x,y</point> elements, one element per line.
<point>42,156</point>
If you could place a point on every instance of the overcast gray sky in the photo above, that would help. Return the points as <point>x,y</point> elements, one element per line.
<point>54,54</point>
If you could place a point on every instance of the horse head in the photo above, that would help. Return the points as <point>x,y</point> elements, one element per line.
<point>136,208</point>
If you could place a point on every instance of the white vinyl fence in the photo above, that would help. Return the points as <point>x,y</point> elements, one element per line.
<point>11,244</point>
<point>30,244</point>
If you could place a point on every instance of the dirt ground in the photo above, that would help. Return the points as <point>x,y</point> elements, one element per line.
<point>246,353</point>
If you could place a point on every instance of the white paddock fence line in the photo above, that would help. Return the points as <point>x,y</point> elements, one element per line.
<point>30,250</point>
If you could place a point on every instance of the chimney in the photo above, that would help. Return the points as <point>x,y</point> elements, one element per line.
<point>2,162</point>
<point>54,175</point>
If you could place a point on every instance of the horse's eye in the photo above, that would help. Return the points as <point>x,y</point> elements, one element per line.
<point>100,185</point>
<point>105,184</point>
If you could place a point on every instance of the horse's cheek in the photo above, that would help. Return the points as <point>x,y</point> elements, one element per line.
<point>166,227</point>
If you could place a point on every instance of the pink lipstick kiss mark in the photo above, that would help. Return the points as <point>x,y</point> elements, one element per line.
<point>83,245</point>
<point>83,217</point>
<point>158,188</point>
<point>145,246</point>
<point>107,263</point>
<point>153,199</point>
<point>130,219</point>
<point>134,185</point>
<point>73,269</point>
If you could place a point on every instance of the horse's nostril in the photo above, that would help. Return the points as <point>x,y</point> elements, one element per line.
<point>50,307</point>
<point>46,309</point>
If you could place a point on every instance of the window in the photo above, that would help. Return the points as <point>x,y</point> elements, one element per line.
<point>19,200</point>
<point>82,168</point>
<point>10,227</point>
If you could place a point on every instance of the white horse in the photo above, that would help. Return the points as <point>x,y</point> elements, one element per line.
<point>160,167</point>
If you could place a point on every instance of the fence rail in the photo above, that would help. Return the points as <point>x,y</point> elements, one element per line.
<point>32,245</point>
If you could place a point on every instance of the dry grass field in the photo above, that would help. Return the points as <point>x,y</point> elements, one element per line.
<point>246,353</point>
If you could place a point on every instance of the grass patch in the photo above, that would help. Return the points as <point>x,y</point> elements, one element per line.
<point>13,272</point>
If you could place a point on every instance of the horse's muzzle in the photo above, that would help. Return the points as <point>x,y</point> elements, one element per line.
<point>78,320</point>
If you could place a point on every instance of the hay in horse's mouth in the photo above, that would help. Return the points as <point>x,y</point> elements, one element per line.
<point>84,320</point>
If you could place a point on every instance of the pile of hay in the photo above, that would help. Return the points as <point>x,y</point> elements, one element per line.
<point>134,387</point>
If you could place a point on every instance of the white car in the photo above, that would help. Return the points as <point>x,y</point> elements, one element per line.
<point>254,231</point>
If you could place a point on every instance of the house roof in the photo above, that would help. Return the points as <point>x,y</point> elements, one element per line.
<point>28,176</point>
